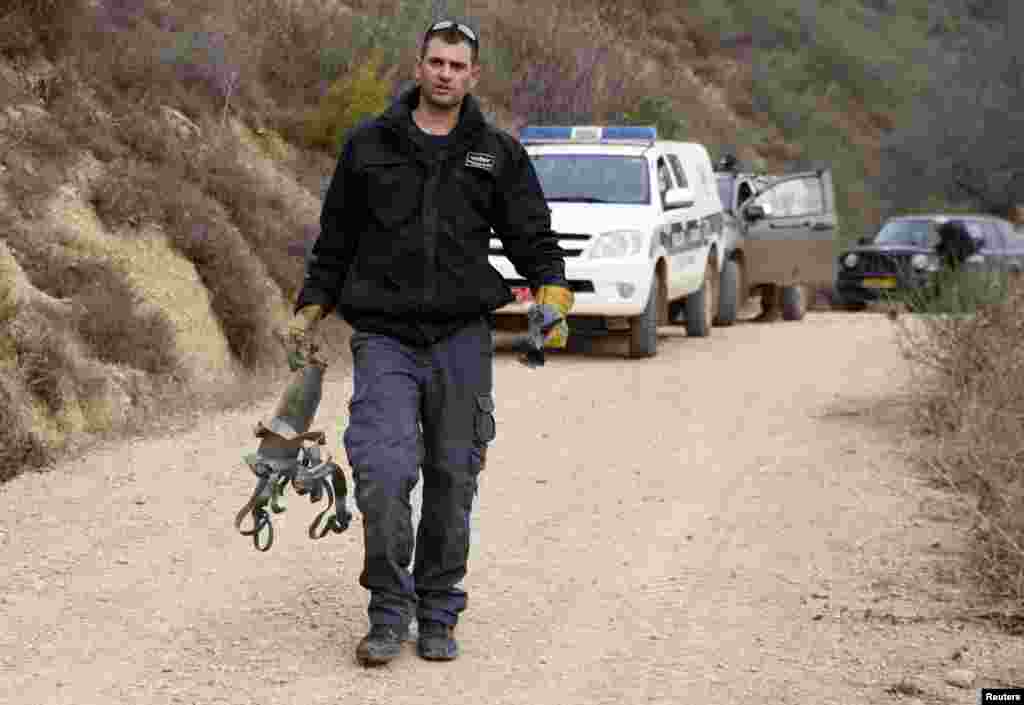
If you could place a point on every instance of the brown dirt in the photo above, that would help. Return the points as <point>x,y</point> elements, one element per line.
<point>734,517</point>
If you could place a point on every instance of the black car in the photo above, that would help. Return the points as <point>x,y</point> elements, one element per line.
<point>902,256</point>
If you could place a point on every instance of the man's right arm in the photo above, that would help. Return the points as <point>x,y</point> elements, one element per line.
<point>335,248</point>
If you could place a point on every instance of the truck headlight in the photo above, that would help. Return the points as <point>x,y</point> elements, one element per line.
<point>925,263</point>
<point>850,261</point>
<point>617,243</point>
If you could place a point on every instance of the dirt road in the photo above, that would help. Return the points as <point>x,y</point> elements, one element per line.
<point>733,518</point>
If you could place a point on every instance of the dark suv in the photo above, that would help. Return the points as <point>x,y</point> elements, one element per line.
<point>902,256</point>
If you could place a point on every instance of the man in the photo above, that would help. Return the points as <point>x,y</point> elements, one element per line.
<point>955,245</point>
<point>405,234</point>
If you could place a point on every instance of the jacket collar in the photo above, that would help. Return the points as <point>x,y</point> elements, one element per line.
<point>398,118</point>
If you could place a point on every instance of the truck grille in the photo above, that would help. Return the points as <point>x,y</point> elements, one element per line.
<point>878,263</point>
<point>563,239</point>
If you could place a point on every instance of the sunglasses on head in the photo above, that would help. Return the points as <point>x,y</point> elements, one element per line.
<point>449,24</point>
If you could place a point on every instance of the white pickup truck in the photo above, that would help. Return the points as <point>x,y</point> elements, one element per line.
<point>642,227</point>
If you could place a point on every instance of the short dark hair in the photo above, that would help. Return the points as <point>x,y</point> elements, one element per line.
<point>454,33</point>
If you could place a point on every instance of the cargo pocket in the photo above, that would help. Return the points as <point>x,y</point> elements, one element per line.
<point>484,427</point>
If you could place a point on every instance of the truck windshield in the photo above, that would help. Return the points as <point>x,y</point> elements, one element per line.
<point>919,233</point>
<point>593,178</point>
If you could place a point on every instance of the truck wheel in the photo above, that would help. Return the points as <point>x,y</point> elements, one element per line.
<point>701,305</point>
<point>729,294</point>
<point>794,303</point>
<point>643,329</point>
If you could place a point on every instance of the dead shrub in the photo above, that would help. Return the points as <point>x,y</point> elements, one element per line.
<point>29,182</point>
<point>19,447</point>
<point>571,88</point>
<point>970,369</point>
<point>229,269</point>
<point>30,25</point>
<point>45,358</point>
<point>117,329</point>
<point>130,193</point>
<point>12,92</point>
<point>200,229</point>
<point>292,43</point>
<point>89,131</point>
<point>263,217</point>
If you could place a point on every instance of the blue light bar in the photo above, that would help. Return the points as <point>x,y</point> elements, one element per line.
<point>641,134</point>
<point>545,134</point>
<point>627,134</point>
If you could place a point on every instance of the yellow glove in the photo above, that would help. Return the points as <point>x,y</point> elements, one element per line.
<point>297,334</point>
<point>562,300</point>
<point>304,322</point>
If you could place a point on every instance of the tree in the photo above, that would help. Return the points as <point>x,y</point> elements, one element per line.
<point>961,142</point>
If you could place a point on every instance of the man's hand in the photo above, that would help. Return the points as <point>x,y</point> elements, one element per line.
<point>300,329</point>
<point>561,299</point>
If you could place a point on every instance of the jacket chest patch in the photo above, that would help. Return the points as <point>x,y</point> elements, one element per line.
<point>480,160</point>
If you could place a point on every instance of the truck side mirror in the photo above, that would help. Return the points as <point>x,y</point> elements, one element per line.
<point>679,198</point>
<point>755,211</point>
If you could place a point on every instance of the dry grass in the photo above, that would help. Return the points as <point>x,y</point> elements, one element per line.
<point>970,370</point>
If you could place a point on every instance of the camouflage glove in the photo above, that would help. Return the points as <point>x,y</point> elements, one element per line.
<point>299,331</point>
<point>561,299</point>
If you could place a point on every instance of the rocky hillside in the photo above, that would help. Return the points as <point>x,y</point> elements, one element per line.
<point>157,159</point>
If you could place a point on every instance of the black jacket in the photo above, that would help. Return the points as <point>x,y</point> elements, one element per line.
<point>404,237</point>
<point>955,244</point>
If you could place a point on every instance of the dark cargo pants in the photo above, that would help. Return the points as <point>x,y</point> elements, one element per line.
<point>413,408</point>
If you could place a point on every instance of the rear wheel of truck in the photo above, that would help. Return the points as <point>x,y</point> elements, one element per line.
<point>794,303</point>
<point>643,329</point>
<point>729,294</point>
<point>702,304</point>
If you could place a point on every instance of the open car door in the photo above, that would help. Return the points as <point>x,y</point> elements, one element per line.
<point>791,234</point>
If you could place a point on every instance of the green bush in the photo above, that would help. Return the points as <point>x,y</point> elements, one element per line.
<point>660,112</point>
<point>353,97</point>
<point>956,293</point>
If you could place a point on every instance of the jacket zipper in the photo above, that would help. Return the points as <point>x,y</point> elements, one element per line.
<point>431,225</point>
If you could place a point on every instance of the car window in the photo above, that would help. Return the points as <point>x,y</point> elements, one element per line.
<point>994,239</point>
<point>794,197</point>
<point>915,232</point>
<point>978,229</point>
<point>744,192</point>
<point>664,178</point>
<point>593,178</point>
<point>665,181</point>
<point>677,169</point>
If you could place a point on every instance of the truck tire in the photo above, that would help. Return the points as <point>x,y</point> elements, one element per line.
<point>643,329</point>
<point>794,303</point>
<point>729,294</point>
<point>701,305</point>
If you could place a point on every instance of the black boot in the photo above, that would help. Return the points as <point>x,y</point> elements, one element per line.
<point>381,645</point>
<point>436,641</point>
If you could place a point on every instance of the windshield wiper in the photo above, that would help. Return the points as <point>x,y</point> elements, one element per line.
<point>579,199</point>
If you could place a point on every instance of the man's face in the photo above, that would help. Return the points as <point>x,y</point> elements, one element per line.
<point>446,73</point>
